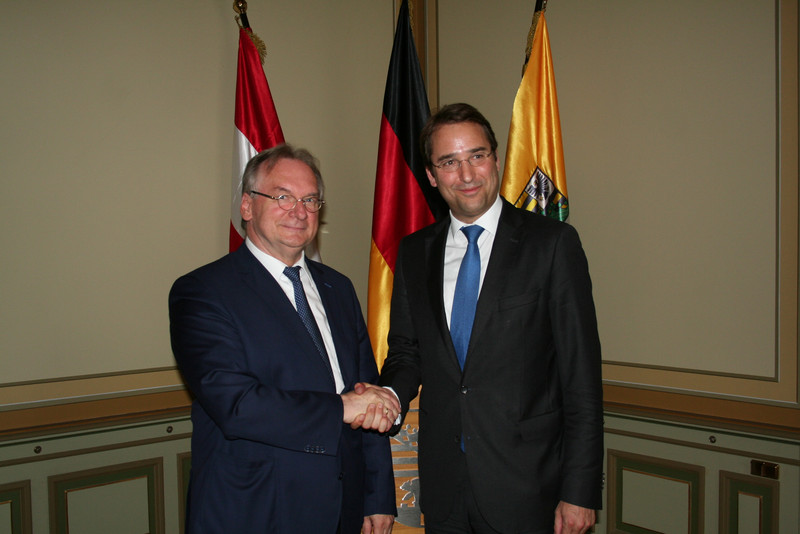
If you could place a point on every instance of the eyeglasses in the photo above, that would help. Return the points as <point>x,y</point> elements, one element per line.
<point>477,159</point>
<point>288,202</point>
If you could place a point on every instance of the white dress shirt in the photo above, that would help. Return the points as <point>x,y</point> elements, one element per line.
<point>456,247</point>
<point>275,268</point>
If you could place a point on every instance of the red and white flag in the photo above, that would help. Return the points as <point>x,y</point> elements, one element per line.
<point>257,124</point>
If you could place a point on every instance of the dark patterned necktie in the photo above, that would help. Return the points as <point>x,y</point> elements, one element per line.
<point>304,311</point>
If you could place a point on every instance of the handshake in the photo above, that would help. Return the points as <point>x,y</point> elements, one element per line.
<point>370,407</point>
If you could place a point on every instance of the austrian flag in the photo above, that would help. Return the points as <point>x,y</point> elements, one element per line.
<point>257,125</point>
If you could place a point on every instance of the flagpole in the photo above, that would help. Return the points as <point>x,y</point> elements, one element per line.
<point>240,7</point>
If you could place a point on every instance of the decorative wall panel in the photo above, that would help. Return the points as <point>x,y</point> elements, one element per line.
<point>125,499</point>
<point>748,504</point>
<point>15,508</point>
<point>649,494</point>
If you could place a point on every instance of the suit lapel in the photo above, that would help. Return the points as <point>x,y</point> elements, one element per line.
<point>269,291</point>
<point>505,250</point>
<point>336,320</point>
<point>260,281</point>
<point>435,284</point>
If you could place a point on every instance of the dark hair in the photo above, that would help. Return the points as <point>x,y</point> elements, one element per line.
<point>267,160</point>
<point>453,114</point>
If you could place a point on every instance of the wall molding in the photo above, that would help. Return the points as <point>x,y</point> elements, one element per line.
<point>152,470</point>
<point>18,496</point>
<point>74,416</point>
<point>693,476</point>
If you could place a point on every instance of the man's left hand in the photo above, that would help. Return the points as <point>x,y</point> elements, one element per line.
<point>378,524</point>
<point>571,519</point>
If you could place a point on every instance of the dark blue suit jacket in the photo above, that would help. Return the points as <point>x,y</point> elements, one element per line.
<point>270,452</point>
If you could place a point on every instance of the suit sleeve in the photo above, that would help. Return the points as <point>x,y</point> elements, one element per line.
<point>577,342</point>
<point>208,344</point>
<point>402,369</point>
<point>379,492</point>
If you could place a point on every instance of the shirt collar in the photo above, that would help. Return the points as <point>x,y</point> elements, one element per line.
<point>271,263</point>
<point>488,221</point>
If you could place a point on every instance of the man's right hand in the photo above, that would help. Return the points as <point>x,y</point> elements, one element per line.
<point>370,407</point>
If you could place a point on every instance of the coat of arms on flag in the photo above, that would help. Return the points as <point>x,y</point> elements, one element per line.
<point>541,195</point>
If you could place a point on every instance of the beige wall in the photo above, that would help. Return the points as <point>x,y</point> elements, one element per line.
<point>671,124</point>
<point>117,129</point>
<point>116,138</point>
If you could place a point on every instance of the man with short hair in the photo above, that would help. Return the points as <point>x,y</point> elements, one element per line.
<point>492,313</point>
<point>271,345</point>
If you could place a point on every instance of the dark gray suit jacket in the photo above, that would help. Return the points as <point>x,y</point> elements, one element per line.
<point>529,401</point>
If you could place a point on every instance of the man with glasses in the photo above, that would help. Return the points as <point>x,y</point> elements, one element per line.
<point>271,344</point>
<point>492,313</point>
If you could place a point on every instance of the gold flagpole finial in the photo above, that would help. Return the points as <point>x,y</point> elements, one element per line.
<point>240,7</point>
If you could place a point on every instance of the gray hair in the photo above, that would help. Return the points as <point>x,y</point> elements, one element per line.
<point>267,160</point>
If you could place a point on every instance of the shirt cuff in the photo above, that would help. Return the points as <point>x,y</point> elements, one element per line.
<point>400,415</point>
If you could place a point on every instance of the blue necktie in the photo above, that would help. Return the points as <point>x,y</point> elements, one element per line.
<point>465,298</point>
<point>304,311</point>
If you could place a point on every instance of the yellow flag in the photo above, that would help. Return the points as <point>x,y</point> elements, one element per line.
<point>534,177</point>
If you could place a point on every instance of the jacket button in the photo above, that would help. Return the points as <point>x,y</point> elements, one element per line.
<point>464,390</point>
<point>341,476</point>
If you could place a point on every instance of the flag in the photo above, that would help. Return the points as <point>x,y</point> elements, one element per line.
<point>404,199</point>
<point>534,177</point>
<point>257,125</point>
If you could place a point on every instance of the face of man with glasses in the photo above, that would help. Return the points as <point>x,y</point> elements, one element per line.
<point>282,210</point>
<point>465,170</point>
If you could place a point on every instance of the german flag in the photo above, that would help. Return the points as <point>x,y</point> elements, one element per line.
<point>404,199</point>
